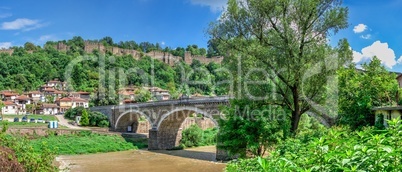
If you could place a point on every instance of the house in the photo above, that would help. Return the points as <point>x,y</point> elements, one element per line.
<point>58,94</point>
<point>56,84</point>
<point>8,95</point>
<point>387,113</point>
<point>71,102</point>
<point>10,108</point>
<point>81,94</point>
<point>127,94</point>
<point>35,96</point>
<point>49,109</point>
<point>399,79</point>
<point>159,94</point>
<point>21,102</point>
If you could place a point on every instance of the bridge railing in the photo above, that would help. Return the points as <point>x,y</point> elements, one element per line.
<point>217,99</point>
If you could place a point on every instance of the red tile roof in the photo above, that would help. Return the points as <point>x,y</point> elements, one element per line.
<point>34,92</point>
<point>71,99</point>
<point>8,103</point>
<point>23,97</point>
<point>8,94</point>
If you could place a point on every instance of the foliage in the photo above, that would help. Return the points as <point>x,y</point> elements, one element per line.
<point>339,149</point>
<point>195,136</point>
<point>25,71</point>
<point>251,127</point>
<point>82,143</point>
<point>94,118</point>
<point>142,95</point>
<point>84,118</point>
<point>282,44</point>
<point>98,119</point>
<point>360,91</point>
<point>192,136</point>
<point>31,160</point>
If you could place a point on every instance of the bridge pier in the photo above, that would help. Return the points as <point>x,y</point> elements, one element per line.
<point>153,139</point>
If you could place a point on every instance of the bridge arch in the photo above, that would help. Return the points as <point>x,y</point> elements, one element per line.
<point>186,108</point>
<point>169,127</point>
<point>129,112</point>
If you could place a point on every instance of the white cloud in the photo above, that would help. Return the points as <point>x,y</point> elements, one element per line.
<point>214,5</point>
<point>163,43</point>
<point>45,38</point>
<point>368,36</point>
<point>22,23</point>
<point>381,50</point>
<point>359,28</point>
<point>5,15</point>
<point>5,45</point>
<point>399,61</point>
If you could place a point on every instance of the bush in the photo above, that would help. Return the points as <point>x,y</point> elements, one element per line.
<point>192,136</point>
<point>73,112</point>
<point>195,136</point>
<point>339,149</point>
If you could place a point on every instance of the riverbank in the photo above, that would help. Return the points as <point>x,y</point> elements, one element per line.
<point>198,159</point>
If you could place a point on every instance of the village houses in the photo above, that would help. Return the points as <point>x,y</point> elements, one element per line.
<point>52,98</point>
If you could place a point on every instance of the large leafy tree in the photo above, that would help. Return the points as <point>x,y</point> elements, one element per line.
<point>286,40</point>
<point>361,90</point>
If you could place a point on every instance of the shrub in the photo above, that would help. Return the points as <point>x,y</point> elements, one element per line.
<point>339,149</point>
<point>192,136</point>
<point>195,136</point>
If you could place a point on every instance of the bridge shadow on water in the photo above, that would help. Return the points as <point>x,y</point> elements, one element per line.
<point>200,153</point>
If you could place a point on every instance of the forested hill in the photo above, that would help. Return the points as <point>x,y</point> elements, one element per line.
<point>29,67</point>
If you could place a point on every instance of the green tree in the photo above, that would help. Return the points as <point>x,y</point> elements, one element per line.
<point>142,95</point>
<point>29,46</point>
<point>84,118</point>
<point>251,127</point>
<point>361,90</point>
<point>288,39</point>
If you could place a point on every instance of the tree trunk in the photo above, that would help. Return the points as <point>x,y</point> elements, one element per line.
<point>295,121</point>
<point>295,112</point>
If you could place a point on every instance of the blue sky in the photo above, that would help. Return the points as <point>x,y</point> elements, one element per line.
<point>374,26</point>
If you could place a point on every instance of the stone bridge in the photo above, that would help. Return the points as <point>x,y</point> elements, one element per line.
<point>165,117</point>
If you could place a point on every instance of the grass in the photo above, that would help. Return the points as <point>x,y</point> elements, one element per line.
<point>44,117</point>
<point>83,143</point>
<point>140,143</point>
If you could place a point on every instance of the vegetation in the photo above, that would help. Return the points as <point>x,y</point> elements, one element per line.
<point>251,127</point>
<point>84,118</point>
<point>31,160</point>
<point>339,149</point>
<point>358,95</point>
<point>82,143</point>
<point>286,41</point>
<point>195,136</point>
<point>24,71</point>
<point>88,118</point>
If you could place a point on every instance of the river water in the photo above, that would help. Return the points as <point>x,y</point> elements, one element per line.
<point>193,160</point>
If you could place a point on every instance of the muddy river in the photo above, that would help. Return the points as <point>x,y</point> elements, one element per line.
<point>194,160</point>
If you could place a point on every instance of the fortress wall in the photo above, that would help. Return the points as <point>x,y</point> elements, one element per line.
<point>165,57</point>
<point>8,51</point>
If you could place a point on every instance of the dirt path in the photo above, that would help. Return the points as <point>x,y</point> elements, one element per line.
<point>64,122</point>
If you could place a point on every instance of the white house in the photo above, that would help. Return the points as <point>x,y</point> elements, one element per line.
<point>49,109</point>
<point>10,108</point>
<point>35,96</point>
<point>22,101</point>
